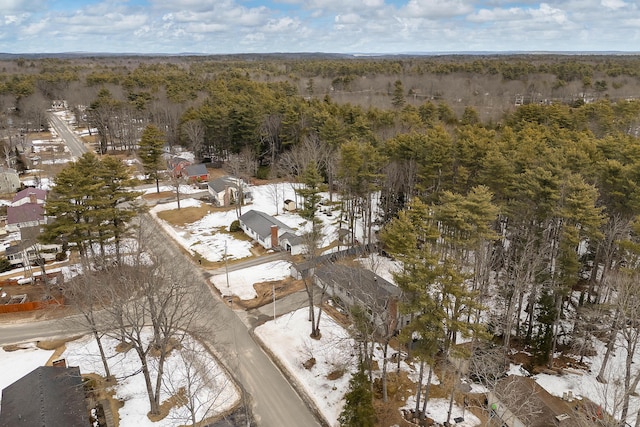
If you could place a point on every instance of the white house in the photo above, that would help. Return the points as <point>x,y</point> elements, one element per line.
<point>271,233</point>
<point>225,191</point>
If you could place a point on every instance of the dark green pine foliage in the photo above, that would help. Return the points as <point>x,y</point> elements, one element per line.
<point>150,151</point>
<point>90,202</point>
<point>312,180</point>
<point>358,409</point>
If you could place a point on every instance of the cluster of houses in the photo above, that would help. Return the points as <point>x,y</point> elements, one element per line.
<point>26,216</point>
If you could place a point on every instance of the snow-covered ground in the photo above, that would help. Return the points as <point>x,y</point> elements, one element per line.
<point>208,236</point>
<point>215,392</point>
<point>240,282</point>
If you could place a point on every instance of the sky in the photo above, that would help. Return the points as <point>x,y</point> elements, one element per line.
<point>330,26</point>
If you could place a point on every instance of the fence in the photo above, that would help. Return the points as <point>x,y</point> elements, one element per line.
<point>30,306</point>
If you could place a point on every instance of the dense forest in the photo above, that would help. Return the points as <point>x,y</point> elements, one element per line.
<point>507,187</point>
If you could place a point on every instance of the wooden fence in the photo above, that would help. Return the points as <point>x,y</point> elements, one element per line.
<point>30,306</point>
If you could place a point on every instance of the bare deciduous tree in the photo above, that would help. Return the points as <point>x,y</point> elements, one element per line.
<point>199,383</point>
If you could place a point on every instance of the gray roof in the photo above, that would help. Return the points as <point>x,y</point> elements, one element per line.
<point>47,396</point>
<point>196,170</point>
<point>220,184</point>
<point>261,223</point>
<point>364,284</point>
<point>292,238</point>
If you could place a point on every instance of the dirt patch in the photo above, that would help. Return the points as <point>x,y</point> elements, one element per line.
<point>265,292</point>
<point>100,389</point>
<point>182,216</point>
<point>174,401</point>
<point>56,354</point>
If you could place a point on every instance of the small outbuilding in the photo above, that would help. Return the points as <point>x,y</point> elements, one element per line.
<point>289,205</point>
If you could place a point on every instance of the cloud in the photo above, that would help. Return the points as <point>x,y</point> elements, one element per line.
<point>13,6</point>
<point>614,4</point>
<point>433,9</point>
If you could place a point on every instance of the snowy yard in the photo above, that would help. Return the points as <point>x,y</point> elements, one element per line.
<point>216,392</point>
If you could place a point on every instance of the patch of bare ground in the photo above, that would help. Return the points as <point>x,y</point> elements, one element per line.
<point>174,401</point>
<point>100,389</point>
<point>265,292</point>
<point>187,215</point>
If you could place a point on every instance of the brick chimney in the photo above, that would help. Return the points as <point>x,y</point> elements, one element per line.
<point>274,236</point>
<point>32,198</point>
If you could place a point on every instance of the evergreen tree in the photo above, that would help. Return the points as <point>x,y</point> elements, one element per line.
<point>91,203</point>
<point>398,95</point>
<point>150,152</point>
<point>312,180</point>
<point>358,410</point>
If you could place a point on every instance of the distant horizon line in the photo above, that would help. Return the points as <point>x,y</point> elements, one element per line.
<point>4,55</point>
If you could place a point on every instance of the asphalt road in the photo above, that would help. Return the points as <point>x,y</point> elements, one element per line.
<point>272,400</point>
<point>76,146</point>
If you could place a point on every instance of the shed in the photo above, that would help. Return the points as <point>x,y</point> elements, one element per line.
<point>289,205</point>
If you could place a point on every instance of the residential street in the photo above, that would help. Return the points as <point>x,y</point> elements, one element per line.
<point>272,400</point>
<point>76,146</point>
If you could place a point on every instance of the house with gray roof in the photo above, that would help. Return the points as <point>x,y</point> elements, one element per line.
<point>352,286</point>
<point>47,396</point>
<point>226,190</point>
<point>196,173</point>
<point>270,232</point>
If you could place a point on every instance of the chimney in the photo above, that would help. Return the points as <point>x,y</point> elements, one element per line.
<point>60,363</point>
<point>274,236</point>
<point>32,198</point>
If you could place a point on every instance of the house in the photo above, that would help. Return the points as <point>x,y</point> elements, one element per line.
<point>24,215</point>
<point>9,180</point>
<point>176,165</point>
<point>270,233</point>
<point>196,173</point>
<point>225,191</point>
<point>521,402</point>
<point>289,205</point>
<point>29,195</point>
<point>358,286</point>
<point>47,396</point>
<point>30,253</point>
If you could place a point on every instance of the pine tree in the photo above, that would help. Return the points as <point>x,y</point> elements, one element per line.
<point>358,410</point>
<point>312,180</point>
<point>91,203</point>
<point>150,152</point>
